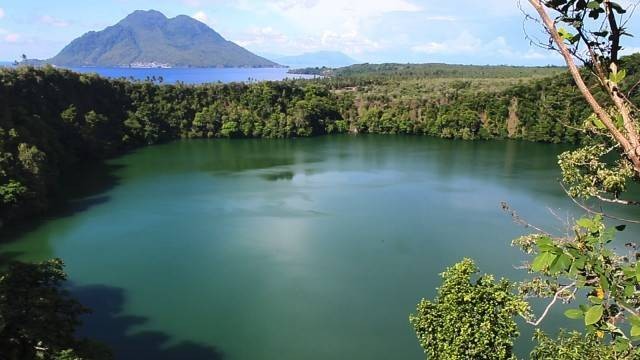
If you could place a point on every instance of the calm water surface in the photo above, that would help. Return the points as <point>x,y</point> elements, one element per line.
<point>190,75</point>
<point>195,75</point>
<point>288,249</point>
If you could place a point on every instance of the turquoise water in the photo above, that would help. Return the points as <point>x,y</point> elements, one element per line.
<point>288,249</point>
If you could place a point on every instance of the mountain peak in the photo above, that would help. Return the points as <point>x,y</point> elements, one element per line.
<point>144,18</point>
<point>149,37</point>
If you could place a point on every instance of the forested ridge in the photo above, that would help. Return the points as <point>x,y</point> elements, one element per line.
<point>52,119</point>
<point>431,70</point>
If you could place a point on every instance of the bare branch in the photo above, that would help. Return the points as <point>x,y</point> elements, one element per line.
<point>617,201</point>
<point>615,31</point>
<point>594,212</point>
<point>556,296</point>
<point>518,220</point>
<point>631,311</point>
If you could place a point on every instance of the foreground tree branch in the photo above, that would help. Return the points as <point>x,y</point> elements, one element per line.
<point>628,136</point>
<point>556,296</point>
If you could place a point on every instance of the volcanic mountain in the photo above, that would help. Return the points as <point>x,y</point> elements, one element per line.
<point>148,38</point>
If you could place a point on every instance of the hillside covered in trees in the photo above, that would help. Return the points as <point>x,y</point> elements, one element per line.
<point>54,119</point>
<point>432,70</point>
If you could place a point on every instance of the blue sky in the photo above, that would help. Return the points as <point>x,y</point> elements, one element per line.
<point>453,31</point>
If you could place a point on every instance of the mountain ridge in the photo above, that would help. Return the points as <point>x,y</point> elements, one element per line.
<point>150,39</point>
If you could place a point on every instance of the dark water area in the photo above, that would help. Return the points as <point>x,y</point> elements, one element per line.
<point>290,249</point>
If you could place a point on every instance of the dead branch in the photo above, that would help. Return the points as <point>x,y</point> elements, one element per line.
<point>556,296</point>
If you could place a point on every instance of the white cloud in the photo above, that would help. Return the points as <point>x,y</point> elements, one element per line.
<point>258,37</point>
<point>338,24</point>
<point>332,14</point>
<point>539,55</point>
<point>446,18</point>
<point>269,39</point>
<point>350,42</point>
<point>12,38</point>
<point>201,16</point>
<point>1,13</point>
<point>50,20</point>
<point>467,44</point>
<point>365,8</point>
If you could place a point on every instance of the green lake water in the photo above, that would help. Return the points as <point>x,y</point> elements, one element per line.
<point>288,249</point>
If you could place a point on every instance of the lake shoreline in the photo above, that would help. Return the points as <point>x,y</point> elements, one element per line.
<point>256,210</point>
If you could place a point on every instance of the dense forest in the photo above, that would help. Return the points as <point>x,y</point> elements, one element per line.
<point>52,119</point>
<point>433,70</point>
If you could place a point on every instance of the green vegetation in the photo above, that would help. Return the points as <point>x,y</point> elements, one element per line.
<point>53,119</point>
<point>469,319</point>
<point>477,319</point>
<point>432,71</point>
<point>38,319</point>
<point>571,346</point>
<point>580,267</point>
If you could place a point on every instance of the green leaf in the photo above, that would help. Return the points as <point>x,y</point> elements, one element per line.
<point>635,320</point>
<point>604,283</point>
<point>585,223</point>
<point>561,263</point>
<point>543,241</point>
<point>593,315</point>
<point>542,261</point>
<point>621,75</point>
<point>621,344</point>
<point>617,77</point>
<point>595,300</point>
<point>565,34</point>
<point>598,123</point>
<point>593,5</point>
<point>619,121</point>
<point>574,314</point>
<point>629,290</point>
<point>635,331</point>
<point>608,235</point>
<point>546,244</point>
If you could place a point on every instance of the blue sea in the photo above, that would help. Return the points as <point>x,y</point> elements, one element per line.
<point>192,75</point>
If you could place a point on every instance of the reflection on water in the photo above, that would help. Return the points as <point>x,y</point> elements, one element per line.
<point>288,249</point>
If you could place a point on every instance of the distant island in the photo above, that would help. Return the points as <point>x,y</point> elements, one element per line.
<point>148,39</point>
